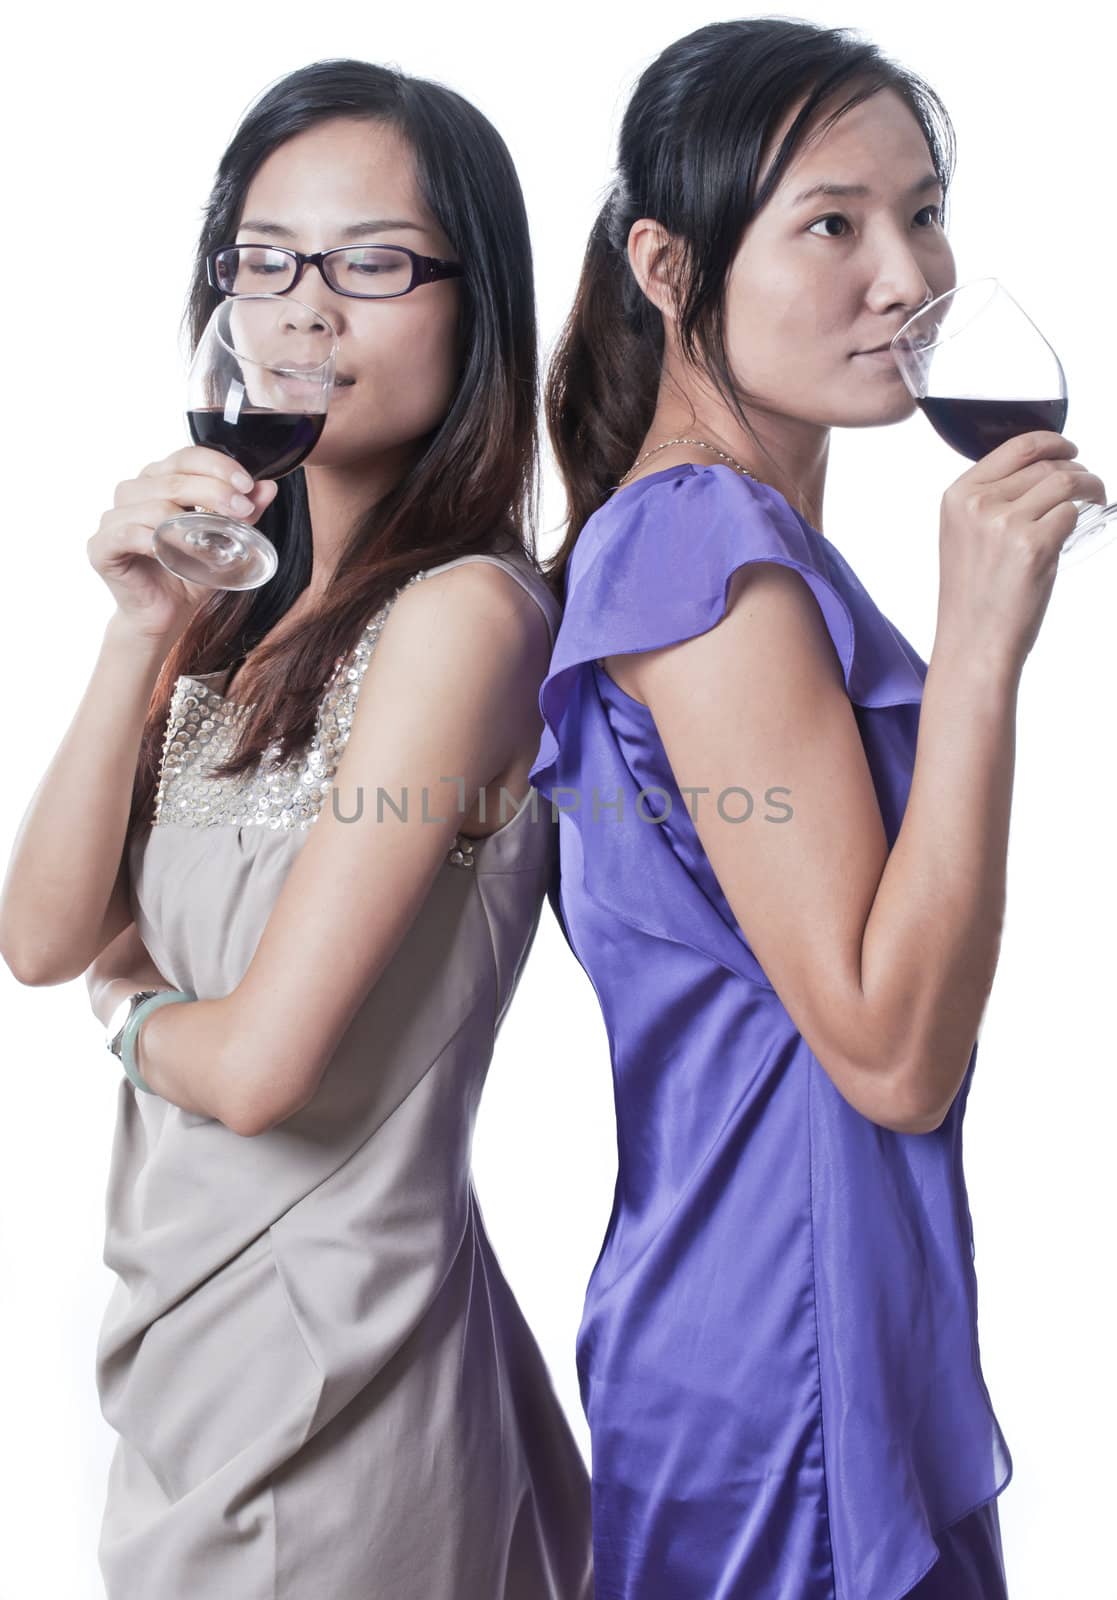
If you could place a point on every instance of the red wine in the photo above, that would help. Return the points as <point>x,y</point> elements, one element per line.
<point>265,443</point>
<point>974,427</point>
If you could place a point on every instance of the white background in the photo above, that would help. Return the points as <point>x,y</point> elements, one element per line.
<point>113,122</point>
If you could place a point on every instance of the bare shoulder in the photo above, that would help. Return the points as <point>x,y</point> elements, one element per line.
<point>469,647</point>
<point>478,602</point>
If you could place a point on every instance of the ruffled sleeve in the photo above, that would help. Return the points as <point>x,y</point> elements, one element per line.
<point>655,569</point>
<point>652,567</point>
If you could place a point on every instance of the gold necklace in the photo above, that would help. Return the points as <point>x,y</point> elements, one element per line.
<point>704,445</point>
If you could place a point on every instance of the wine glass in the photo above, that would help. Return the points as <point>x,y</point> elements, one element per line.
<point>258,390</point>
<point>981,372</point>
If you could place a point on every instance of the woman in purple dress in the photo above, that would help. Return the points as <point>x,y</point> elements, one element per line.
<point>783,841</point>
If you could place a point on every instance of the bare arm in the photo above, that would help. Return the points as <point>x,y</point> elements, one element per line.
<point>884,960</point>
<point>66,893</point>
<point>933,937</point>
<point>123,967</point>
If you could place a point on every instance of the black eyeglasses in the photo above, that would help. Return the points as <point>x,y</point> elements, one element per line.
<point>365,271</point>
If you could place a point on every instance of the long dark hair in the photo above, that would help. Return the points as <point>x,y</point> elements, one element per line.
<point>474,484</point>
<point>690,148</point>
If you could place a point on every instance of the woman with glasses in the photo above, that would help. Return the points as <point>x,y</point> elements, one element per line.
<point>779,1352</point>
<point>301,814</point>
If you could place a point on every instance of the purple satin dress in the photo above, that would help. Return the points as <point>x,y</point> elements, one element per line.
<point>778,1354</point>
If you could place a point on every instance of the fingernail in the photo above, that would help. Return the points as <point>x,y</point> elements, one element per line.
<point>241,503</point>
<point>242,480</point>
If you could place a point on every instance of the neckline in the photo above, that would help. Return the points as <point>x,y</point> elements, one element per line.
<point>714,466</point>
<point>683,466</point>
<point>204,679</point>
<point>227,673</point>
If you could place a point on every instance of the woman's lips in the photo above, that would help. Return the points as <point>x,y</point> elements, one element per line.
<point>301,388</point>
<point>299,385</point>
<point>304,394</point>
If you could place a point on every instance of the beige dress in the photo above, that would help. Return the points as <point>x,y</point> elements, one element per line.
<point>322,1385</point>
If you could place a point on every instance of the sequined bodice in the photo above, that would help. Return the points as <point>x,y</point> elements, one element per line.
<point>202,728</point>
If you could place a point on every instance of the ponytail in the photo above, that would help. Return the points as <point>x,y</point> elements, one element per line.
<point>603,379</point>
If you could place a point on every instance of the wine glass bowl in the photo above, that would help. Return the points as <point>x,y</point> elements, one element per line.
<point>258,391</point>
<point>981,372</point>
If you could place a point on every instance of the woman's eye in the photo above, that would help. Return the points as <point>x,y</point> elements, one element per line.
<point>833,217</point>
<point>836,216</point>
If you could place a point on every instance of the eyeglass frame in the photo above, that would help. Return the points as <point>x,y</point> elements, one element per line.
<point>424,269</point>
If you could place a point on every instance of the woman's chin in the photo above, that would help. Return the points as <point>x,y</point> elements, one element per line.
<point>894,404</point>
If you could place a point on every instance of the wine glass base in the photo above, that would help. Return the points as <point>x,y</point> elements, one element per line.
<point>220,552</point>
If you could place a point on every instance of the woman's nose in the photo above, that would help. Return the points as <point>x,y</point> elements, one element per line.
<point>900,278</point>
<point>313,303</point>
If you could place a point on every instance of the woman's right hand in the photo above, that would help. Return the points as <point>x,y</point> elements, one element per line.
<point>151,600</point>
<point>1002,527</point>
